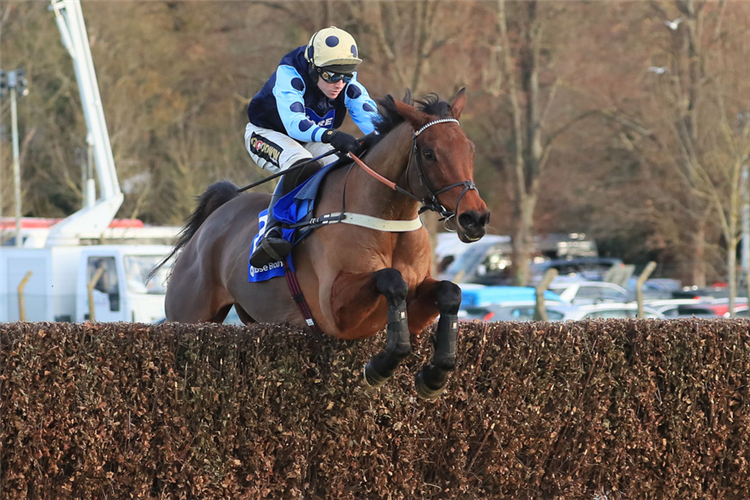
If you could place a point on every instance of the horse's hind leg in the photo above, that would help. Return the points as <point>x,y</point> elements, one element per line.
<point>381,366</point>
<point>430,381</point>
<point>191,300</point>
<point>221,314</point>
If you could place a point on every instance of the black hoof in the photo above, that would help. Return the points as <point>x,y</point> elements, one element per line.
<point>425,391</point>
<point>372,378</point>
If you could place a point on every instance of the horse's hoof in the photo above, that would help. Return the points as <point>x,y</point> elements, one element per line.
<point>423,390</point>
<point>372,378</point>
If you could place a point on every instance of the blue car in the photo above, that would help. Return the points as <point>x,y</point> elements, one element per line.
<point>478,296</point>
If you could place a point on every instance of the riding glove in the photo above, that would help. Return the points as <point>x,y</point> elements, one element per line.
<point>342,141</point>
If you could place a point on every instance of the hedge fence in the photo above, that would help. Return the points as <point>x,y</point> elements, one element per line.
<point>610,409</point>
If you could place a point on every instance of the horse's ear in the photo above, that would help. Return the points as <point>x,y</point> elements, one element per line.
<point>408,98</point>
<point>459,102</point>
<point>416,118</point>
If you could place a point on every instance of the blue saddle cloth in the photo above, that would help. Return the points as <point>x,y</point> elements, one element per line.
<point>294,207</point>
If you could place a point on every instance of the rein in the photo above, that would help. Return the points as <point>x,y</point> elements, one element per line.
<point>432,202</point>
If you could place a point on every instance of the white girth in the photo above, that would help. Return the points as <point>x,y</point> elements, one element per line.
<point>390,226</point>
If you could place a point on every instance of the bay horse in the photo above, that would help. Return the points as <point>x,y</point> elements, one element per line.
<point>356,280</point>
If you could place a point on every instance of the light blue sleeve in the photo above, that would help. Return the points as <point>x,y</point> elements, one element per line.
<point>289,92</point>
<point>360,105</point>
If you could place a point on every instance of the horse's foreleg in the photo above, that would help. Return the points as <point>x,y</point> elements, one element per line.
<point>381,366</point>
<point>430,381</point>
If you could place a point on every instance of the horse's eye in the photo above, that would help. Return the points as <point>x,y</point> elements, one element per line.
<point>429,155</point>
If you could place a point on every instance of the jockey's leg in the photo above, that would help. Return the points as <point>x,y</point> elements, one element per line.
<point>272,247</point>
<point>316,149</point>
<point>275,152</point>
<point>381,366</point>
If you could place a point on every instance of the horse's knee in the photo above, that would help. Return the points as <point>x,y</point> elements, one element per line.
<point>391,284</point>
<point>448,297</point>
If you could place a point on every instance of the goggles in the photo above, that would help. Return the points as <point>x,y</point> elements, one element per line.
<point>331,77</point>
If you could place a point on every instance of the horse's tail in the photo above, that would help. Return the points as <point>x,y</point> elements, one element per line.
<point>215,196</point>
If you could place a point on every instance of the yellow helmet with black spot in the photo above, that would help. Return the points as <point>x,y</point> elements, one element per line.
<point>334,49</point>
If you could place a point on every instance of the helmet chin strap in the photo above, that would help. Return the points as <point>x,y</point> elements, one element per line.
<point>313,72</point>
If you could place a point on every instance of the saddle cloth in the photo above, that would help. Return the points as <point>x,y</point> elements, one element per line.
<point>294,207</point>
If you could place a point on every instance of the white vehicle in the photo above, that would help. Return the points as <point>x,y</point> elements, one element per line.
<point>598,311</point>
<point>589,292</point>
<point>64,283</point>
<point>63,278</point>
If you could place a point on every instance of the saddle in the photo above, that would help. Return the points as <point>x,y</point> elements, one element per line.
<point>295,211</point>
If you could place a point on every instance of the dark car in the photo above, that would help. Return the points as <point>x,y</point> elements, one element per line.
<point>713,292</point>
<point>690,311</point>
<point>589,268</point>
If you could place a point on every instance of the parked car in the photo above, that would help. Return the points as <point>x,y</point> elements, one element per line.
<point>698,310</point>
<point>654,289</point>
<point>669,307</point>
<point>479,295</point>
<point>589,292</point>
<point>587,268</point>
<point>488,262</point>
<point>507,311</point>
<point>721,306</point>
<point>712,292</point>
<point>597,311</point>
<point>699,307</point>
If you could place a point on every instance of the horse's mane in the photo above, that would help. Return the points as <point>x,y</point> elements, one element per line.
<point>389,117</point>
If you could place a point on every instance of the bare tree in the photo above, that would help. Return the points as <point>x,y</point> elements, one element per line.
<point>530,104</point>
<point>405,38</point>
<point>698,94</point>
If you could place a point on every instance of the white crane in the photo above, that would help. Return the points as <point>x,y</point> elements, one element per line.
<point>96,216</point>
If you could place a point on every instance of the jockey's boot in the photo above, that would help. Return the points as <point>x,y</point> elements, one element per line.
<point>272,247</point>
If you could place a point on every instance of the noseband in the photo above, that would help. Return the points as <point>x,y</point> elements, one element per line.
<point>431,201</point>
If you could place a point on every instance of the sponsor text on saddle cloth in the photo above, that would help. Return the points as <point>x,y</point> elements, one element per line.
<point>295,207</point>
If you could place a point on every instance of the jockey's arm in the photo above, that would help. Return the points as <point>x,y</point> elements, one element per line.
<point>360,106</point>
<point>289,91</point>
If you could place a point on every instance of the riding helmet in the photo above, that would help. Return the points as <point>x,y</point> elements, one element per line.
<point>333,49</point>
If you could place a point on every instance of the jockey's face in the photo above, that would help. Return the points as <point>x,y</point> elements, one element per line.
<point>331,90</point>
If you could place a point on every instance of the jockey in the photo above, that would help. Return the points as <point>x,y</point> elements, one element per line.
<point>296,116</point>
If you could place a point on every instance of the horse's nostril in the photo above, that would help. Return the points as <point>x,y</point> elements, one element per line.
<point>473,220</point>
<point>466,220</point>
<point>485,218</point>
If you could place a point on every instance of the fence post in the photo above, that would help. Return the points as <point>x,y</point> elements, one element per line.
<point>90,287</point>
<point>540,311</point>
<point>21,299</point>
<point>639,286</point>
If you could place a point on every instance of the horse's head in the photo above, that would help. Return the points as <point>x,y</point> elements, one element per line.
<point>443,161</point>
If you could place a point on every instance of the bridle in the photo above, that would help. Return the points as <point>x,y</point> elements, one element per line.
<point>431,201</point>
